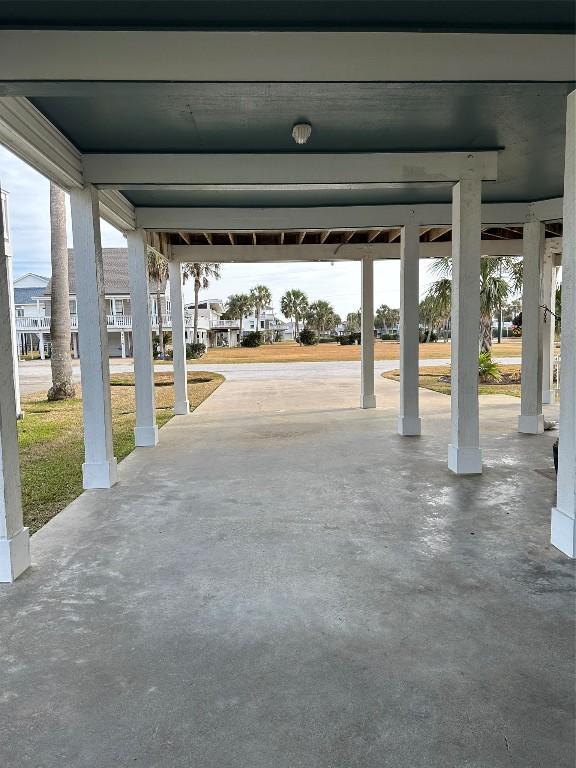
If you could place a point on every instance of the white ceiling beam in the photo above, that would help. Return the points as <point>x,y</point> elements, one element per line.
<point>339,219</point>
<point>328,252</point>
<point>180,56</point>
<point>116,210</point>
<point>548,210</point>
<point>117,170</point>
<point>33,138</point>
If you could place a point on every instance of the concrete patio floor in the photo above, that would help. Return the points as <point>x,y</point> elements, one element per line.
<point>285,582</point>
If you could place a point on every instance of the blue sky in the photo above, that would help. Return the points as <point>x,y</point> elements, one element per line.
<point>338,284</point>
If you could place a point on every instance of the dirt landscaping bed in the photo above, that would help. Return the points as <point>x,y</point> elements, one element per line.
<point>437,378</point>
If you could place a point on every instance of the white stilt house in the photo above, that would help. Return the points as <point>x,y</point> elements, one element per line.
<point>223,179</point>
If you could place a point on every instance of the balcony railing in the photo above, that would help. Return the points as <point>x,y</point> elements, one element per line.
<point>119,322</point>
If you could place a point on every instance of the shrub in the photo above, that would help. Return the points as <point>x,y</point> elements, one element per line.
<point>349,339</point>
<point>488,369</point>
<point>328,340</point>
<point>308,337</point>
<point>424,337</point>
<point>252,339</point>
<point>195,350</point>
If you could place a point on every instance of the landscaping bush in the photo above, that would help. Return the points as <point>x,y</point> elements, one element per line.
<point>195,351</point>
<point>424,337</point>
<point>308,337</point>
<point>389,337</point>
<point>328,340</point>
<point>252,339</point>
<point>488,369</point>
<point>349,339</point>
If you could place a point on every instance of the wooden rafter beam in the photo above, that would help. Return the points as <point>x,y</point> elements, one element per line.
<point>394,235</point>
<point>208,237</point>
<point>437,232</point>
<point>373,235</point>
<point>254,239</point>
<point>324,236</point>
<point>349,235</point>
<point>186,237</point>
<point>281,238</point>
<point>231,238</point>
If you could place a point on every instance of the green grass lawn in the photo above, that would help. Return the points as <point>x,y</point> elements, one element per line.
<point>51,441</point>
<point>432,378</point>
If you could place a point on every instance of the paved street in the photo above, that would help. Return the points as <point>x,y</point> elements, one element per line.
<point>35,375</point>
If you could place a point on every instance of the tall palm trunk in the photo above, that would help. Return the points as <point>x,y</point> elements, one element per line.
<point>486,333</point>
<point>240,332</point>
<point>160,322</point>
<point>196,294</point>
<point>60,359</point>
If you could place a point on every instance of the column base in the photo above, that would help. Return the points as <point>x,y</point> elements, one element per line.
<point>103,474</point>
<point>531,425</point>
<point>563,532</point>
<point>409,426</point>
<point>182,409</point>
<point>464,460</point>
<point>548,396</point>
<point>146,437</point>
<point>14,556</point>
<point>368,401</point>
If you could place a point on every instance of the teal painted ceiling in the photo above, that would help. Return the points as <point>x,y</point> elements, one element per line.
<point>526,121</point>
<point>428,15</point>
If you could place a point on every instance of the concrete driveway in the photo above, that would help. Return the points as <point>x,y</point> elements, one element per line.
<point>35,374</point>
<point>283,581</point>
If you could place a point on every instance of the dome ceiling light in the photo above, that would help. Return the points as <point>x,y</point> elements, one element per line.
<point>301,132</point>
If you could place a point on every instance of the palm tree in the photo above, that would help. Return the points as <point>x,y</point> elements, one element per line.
<point>261,298</point>
<point>321,317</point>
<point>353,320</point>
<point>201,274</point>
<point>294,304</point>
<point>499,277</point>
<point>158,272</point>
<point>386,317</point>
<point>60,359</point>
<point>239,305</point>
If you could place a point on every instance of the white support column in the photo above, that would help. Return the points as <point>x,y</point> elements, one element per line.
<point>409,422</point>
<point>99,468</point>
<point>14,538</point>
<point>368,399</point>
<point>122,345</point>
<point>549,325</point>
<point>564,513</point>
<point>75,345</point>
<point>146,430</point>
<point>41,345</point>
<point>531,419</point>
<point>464,454</point>
<point>181,405</point>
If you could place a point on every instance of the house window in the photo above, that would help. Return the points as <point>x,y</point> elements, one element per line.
<point>73,307</point>
<point>19,311</point>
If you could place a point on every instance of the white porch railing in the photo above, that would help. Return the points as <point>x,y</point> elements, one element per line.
<point>41,324</point>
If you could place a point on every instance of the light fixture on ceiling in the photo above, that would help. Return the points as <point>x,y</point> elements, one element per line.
<point>301,132</point>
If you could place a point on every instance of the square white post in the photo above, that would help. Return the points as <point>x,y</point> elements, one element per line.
<point>549,326</point>
<point>409,422</point>
<point>181,405</point>
<point>146,430</point>
<point>464,455</point>
<point>99,468</point>
<point>531,419</point>
<point>368,399</point>
<point>14,538</point>
<point>564,513</point>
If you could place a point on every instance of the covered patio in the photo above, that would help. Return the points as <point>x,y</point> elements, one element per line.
<point>284,584</point>
<point>383,577</point>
